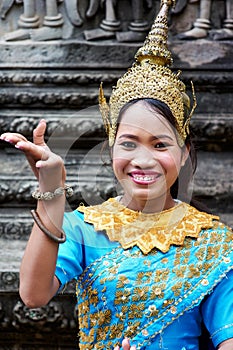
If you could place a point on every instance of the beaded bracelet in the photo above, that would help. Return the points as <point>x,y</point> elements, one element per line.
<point>46,231</point>
<point>47,196</point>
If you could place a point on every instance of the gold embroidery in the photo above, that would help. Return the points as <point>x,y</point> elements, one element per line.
<point>116,330</point>
<point>136,311</point>
<point>143,277</point>
<point>132,329</point>
<point>194,271</point>
<point>180,271</point>
<point>176,288</point>
<point>122,313</point>
<point>157,292</point>
<point>129,304</point>
<point>122,281</point>
<point>166,303</point>
<point>147,231</point>
<point>153,310</point>
<point>122,296</point>
<point>140,293</point>
<point>102,333</point>
<point>173,310</point>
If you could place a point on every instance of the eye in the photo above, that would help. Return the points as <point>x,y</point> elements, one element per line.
<point>161,145</point>
<point>128,144</point>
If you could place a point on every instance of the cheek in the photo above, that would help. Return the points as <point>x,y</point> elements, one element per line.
<point>120,160</point>
<point>118,165</point>
<point>171,161</point>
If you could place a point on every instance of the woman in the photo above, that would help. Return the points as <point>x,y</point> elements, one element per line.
<point>146,160</point>
<point>149,267</point>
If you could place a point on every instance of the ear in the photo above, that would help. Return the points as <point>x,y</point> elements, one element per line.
<point>185,154</point>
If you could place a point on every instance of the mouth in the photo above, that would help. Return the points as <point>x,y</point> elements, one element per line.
<point>144,179</point>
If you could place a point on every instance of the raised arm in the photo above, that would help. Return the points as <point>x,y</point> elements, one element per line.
<point>37,281</point>
<point>226,345</point>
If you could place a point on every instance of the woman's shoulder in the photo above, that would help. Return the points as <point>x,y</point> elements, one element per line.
<point>78,227</point>
<point>205,218</point>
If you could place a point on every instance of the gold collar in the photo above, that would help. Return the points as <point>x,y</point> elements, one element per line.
<point>147,231</point>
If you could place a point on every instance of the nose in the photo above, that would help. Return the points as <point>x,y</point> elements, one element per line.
<point>143,158</point>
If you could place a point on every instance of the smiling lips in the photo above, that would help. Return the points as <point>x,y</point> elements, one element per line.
<point>144,178</point>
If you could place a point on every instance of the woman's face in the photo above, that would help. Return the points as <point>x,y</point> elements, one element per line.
<point>146,158</point>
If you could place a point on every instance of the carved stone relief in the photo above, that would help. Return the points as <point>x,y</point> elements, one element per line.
<point>56,320</point>
<point>41,20</point>
<point>125,21</point>
<point>8,281</point>
<point>202,25</point>
<point>41,318</point>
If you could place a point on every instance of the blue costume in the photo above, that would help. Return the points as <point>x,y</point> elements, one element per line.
<point>156,287</point>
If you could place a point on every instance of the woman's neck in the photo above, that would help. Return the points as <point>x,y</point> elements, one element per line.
<point>148,206</point>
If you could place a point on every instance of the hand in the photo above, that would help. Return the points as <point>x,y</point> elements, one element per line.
<point>41,159</point>
<point>126,345</point>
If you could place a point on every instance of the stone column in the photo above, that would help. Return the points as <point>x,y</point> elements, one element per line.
<point>138,24</point>
<point>138,27</point>
<point>52,25</point>
<point>53,18</point>
<point>29,19</point>
<point>109,25</point>
<point>225,33</point>
<point>110,22</point>
<point>228,23</point>
<point>201,25</point>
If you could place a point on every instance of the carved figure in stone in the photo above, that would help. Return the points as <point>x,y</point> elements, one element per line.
<point>73,13</point>
<point>93,8</point>
<point>40,318</point>
<point>139,26</point>
<point>202,25</point>
<point>181,4</point>
<point>4,321</point>
<point>29,22</point>
<point>6,5</point>
<point>110,25</point>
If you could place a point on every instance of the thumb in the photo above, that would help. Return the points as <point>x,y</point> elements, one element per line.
<point>39,132</point>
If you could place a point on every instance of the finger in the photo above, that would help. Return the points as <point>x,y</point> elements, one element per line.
<point>12,137</point>
<point>20,142</point>
<point>52,170</point>
<point>126,344</point>
<point>33,151</point>
<point>117,347</point>
<point>39,132</point>
<point>54,166</point>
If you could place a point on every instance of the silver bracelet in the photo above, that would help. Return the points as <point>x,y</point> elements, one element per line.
<point>47,196</point>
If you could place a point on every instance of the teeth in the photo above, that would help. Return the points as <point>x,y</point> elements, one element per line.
<point>144,178</point>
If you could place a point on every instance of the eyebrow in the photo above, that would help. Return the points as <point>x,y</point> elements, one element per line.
<point>134,137</point>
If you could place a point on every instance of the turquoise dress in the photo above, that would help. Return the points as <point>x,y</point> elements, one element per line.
<point>160,300</point>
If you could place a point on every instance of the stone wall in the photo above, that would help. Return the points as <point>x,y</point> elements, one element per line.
<point>53,69</point>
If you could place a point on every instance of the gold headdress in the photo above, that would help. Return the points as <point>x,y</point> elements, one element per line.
<point>150,77</point>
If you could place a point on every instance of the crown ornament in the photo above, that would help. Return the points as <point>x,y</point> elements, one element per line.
<point>150,77</point>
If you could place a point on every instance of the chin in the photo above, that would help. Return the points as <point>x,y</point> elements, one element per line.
<point>145,196</point>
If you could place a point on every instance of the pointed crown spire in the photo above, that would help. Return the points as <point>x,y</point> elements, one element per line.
<point>150,77</point>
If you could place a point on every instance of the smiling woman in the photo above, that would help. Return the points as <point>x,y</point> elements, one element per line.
<point>151,269</point>
<point>146,158</point>
<point>183,183</point>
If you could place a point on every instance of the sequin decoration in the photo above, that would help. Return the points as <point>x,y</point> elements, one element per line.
<point>143,298</point>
